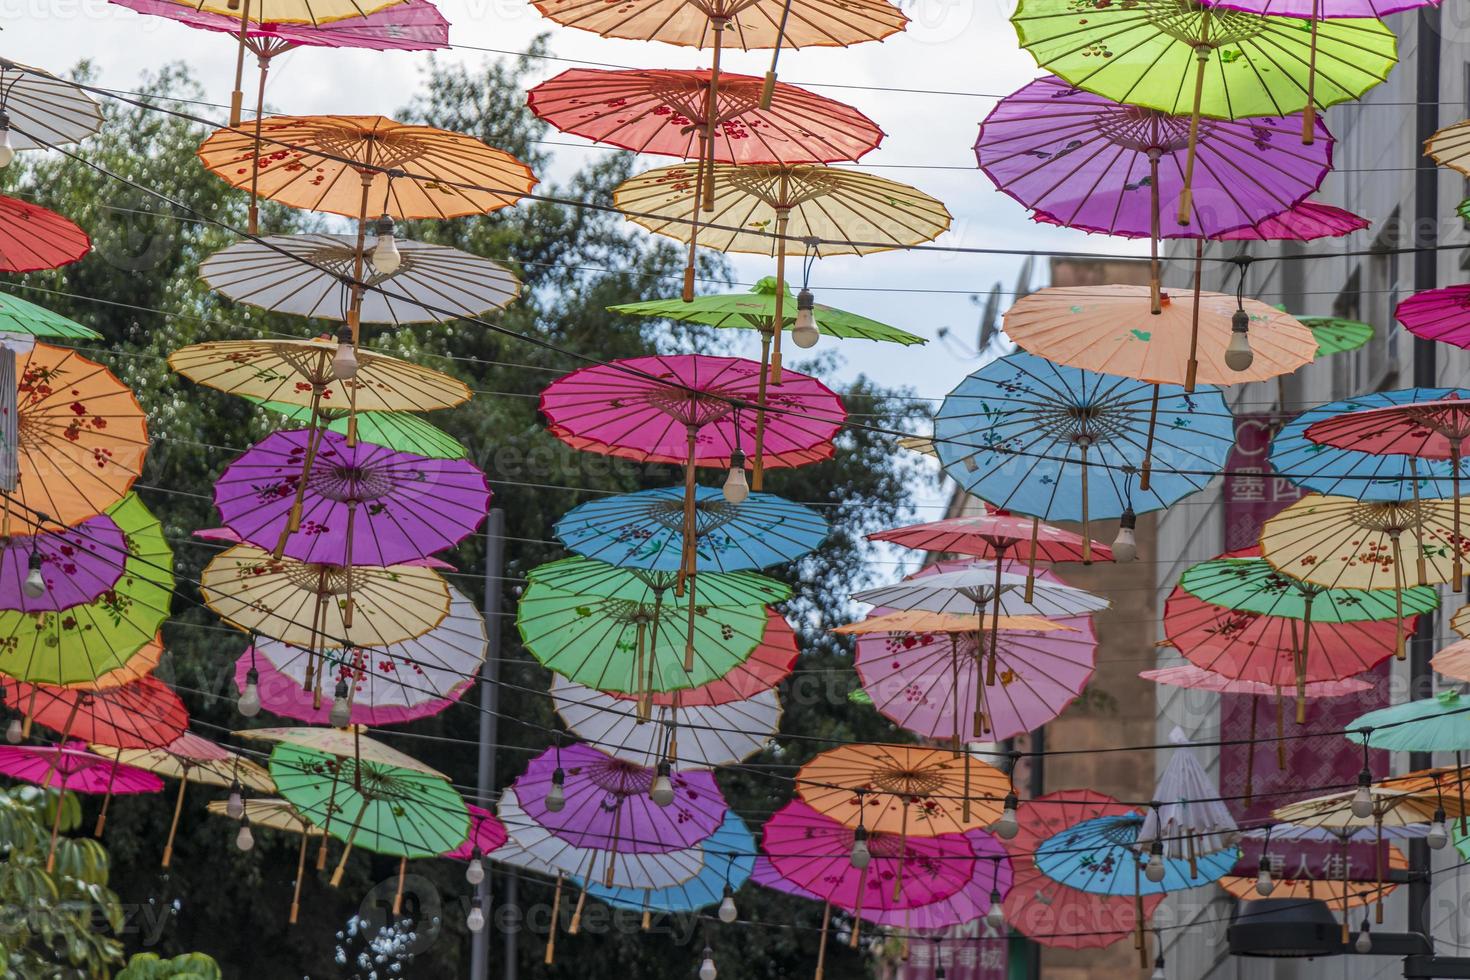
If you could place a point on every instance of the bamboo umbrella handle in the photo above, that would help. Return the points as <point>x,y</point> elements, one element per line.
<point>822,943</point>
<point>1309,113</point>
<point>712,111</point>
<point>238,96</point>
<point>1086,526</point>
<point>994,628</point>
<point>550,956</point>
<point>1378,871</point>
<point>253,226</point>
<point>1031,560</point>
<point>1398,596</point>
<point>173,830</point>
<point>1202,52</point>
<point>1459,584</point>
<point>1422,569</point>
<point>300,875</point>
<point>1191,369</point>
<point>857,915</point>
<point>690,489</point>
<point>398,895</point>
<point>757,465</point>
<point>688,293</point>
<point>783,220</point>
<point>576,925</point>
<point>1156,305</point>
<point>1148,446</point>
<point>689,636</point>
<point>341,868</point>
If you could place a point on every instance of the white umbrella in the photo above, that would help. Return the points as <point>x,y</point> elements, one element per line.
<point>44,110</point>
<point>705,735</point>
<point>1189,820</point>
<point>307,275</point>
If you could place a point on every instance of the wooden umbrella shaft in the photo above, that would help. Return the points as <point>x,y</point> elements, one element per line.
<point>1458,569</point>
<point>1309,111</point>
<point>238,96</point>
<point>253,224</point>
<point>1202,52</point>
<point>341,868</point>
<point>300,876</point>
<point>398,895</point>
<point>1191,368</point>
<point>822,943</point>
<point>1146,477</point>
<point>56,830</point>
<point>173,829</point>
<point>712,114</point>
<point>1155,233</point>
<point>550,955</point>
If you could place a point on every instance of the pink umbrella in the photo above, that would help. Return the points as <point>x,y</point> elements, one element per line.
<point>1304,222</point>
<point>281,694</point>
<point>1438,314</point>
<point>487,833</point>
<point>72,767</point>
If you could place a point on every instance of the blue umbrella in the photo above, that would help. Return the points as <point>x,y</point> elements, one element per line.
<point>729,857</point>
<point>1103,856</point>
<point>645,530</point>
<point>1065,444</point>
<point>1437,724</point>
<point>1364,476</point>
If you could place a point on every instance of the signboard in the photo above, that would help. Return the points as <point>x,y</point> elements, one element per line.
<point>967,952</point>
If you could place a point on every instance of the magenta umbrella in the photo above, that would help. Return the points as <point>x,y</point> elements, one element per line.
<point>487,833</point>
<point>1438,314</point>
<point>282,694</point>
<point>364,504</point>
<point>77,564</point>
<point>72,767</point>
<point>1322,9</point>
<point>1304,222</point>
<point>609,806</point>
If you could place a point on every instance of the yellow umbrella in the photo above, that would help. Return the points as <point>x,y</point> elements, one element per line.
<point>282,816</point>
<point>289,11</point>
<point>344,742</point>
<point>1460,622</point>
<point>752,24</point>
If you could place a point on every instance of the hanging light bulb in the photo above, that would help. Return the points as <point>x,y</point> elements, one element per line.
<point>860,855</point>
<point>995,917</point>
<point>474,872</point>
<point>344,361</point>
<point>386,257</point>
<point>556,797</point>
<point>235,805</point>
<point>1238,355</point>
<point>35,584</point>
<point>1159,973</point>
<point>14,731</point>
<point>7,154</point>
<point>1437,837</point>
<point>1007,827</point>
<point>707,969</point>
<point>341,714</point>
<point>475,921</point>
<point>662,790</point>
<point>1264,885</point>
<point>1125,545</point>
<point>736,488</point>
<point>728,912</point>
<point>1364,942</point>
<point>804,332</point>
<point>1154,871</point>
<point>1362,804</point>
<point>244,840</point>
<point>249,703</point>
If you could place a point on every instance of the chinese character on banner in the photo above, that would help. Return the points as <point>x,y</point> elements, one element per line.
<point>1284,771</point>
<point>967,952</point>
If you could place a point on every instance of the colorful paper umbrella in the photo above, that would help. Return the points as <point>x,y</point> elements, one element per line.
<point>903,789</point>
<point>598,579</point>
<point>1105,856</point>
<point>1357,893</point>
<point>1437,724</point>
<point>143,714</point>
<point>1336,335</point>
<point>71,767</point>
<point>729,854</point>
<point>1063,443</point>
<point>1188,818</point>
<point>78,644</point>
<point>692,737</point>
<point>33,238</point>
<point>21,317</point>
<point>82,438</point>
<point>385,685</point>
<point>402,431</point>
<point>76,564</point>
<point>360,505</point>
<point>487,834</point>
<point>645,530</point>
<point>609,807</point>
<point>306,275</point>
<point>768,664</point>
<point>42,111</point>
<point>306,604</point>
<point>1303,222</point>
<point>1199,679</point>
<point>1438,314</point>
<point>750,23</point>
<point>282,816</point>
<point>1351,472</point>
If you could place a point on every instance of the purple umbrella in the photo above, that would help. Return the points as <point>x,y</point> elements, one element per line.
<point>1322,9</point>
<point>608,806</point>
<point>1303,222</point>
<point>363,504</point>
<point>78,564</point>
<point>415,25</point>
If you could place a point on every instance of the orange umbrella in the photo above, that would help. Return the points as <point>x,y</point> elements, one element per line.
<point>82,438</point>
<point>1333,891</point>
<point>904,789</point>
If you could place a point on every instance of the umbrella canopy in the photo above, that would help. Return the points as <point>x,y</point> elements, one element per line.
<point>1062,443</point>
<point>486,834</point>
<point>363,504</point>
<point>33,238</point>
<point>669,409</point>
<point>77,564</point>
<point>1198,679</point>
<point>747,24</point>
<point>597,579</point>
<point>1352,472</point>
<point>1437,724</point>
<point>768,664</point>
<point>608,805</point>
<point>1189,819</point>
<point>82,436</point>
<point>196,760</point>
<point>707,735</point>
<point>728,857</point>
<point>645,530</point>
<point>847,211</point>
<point>996,534</point>
<point>1088,162</point>
<point>975,587</point>
<point>75,645</point>
<point>42,111</point>
<point>303,604</point>
<point>72,768</point>
<point>1322,9</point>
<point>903,789</point>
<point>1336,335</point>
<point>1244,580</point>
<point>317,163</point>
<point>143,714</point>
<point>1437,314</point>
<point>306,275</point>
<point>756,310</point>
<point>1110,330</point>
<point>1397,803</point>
<point>406,25</point>
<point>666,112</point>
<point>393,430</point>
<point>1103,856</point>
<point>314,12</point>
<point>1454,660</point>
<point>1305,221</point>
<point>274,814</point>
<point>21,317</point>
<point>299,372</point>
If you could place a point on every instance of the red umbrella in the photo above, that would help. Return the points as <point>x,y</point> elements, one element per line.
<point>32,238</point>
<point>143,714</point>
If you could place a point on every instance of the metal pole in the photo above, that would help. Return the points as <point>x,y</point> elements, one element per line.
<point>1423,237</point>
<point>489,719</point>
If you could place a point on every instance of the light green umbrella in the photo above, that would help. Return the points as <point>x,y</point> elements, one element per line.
<point>397,430</point>
<point>1336,335</point>
<point>756,310</point>
<point>590,577</point>
<point>1437,724</point>
<point>1183,58</point>
<point>1249,583</point>
<point>79,644</point>
<point>22,317</point>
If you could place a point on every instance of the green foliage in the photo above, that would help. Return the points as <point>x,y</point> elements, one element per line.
<point>187,966</point>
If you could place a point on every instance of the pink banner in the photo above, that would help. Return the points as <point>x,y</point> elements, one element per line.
<point>966,952</point>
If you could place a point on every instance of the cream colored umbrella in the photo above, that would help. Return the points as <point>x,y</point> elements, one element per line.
<point>748,24</point>
<point>1450,147</point>
<point>41,111</point>
<point>1460,621</point>
<point>282,816</point>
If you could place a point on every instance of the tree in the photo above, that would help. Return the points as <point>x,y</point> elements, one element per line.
<point>140,290</point>
<point>187,966</point>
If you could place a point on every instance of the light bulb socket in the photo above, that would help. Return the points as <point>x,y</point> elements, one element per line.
<point>1240,321</point>
<point>805,301</point>
<point>1128,519</point>
<point>737,458</point>
<point>383,225</point>
<point>33,563</point>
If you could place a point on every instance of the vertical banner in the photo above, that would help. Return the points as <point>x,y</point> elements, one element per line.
<point>1284,771</point>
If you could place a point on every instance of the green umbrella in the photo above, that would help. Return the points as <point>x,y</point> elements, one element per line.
<point>397,430</point>
<point>1183,58</point>
<point>79,644</point>
<point>22,317</point>
<point>1250,584</point>
<point>631,646</point>
<point>756,310</point>
<point>1335,335</point>
<point>1437,724</point>
<point>590,577</point>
